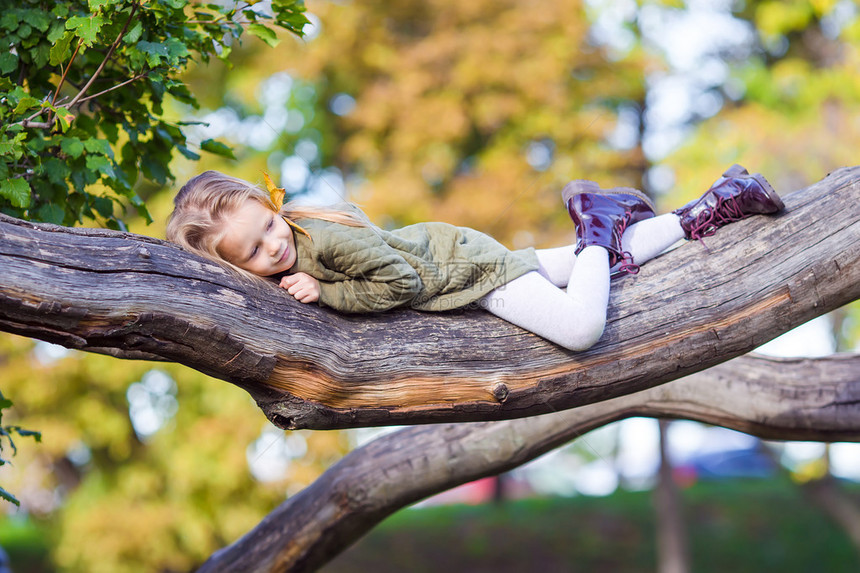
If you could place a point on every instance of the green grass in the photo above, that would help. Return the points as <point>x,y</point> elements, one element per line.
<point>740,526</point>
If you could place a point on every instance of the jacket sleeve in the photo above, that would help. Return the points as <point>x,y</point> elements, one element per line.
<point>378,278</point>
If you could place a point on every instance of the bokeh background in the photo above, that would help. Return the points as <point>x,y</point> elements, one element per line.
<point>475,113</point>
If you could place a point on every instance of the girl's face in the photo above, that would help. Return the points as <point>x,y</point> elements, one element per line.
<point>258,240</point>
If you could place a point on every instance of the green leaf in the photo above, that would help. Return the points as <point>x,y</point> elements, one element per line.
<point>12,146</point>
<point>64,118</point>
<point>133,34</point>
<point>101,164</point>
<point>224,55</point>
<point>60,10</point>
<point>25,32</point>
<point>72,146</point>
<point>37,145</point>
<point>140,206</point>
<point>104,206</point>
<point>9,497</point>
<point>56,170</point>
<point>10,20</point>
<point>177,49</point>
<point>87,29</point>
<point>110,130</point>
<point>51,213</point>
<point>18,93</point>
<point>187,152</point>
<point>25,103</point>
<point>217,148</point>
<point>61,51</point>
<point>29,434</point>
<point>8,63</point>
<point>38,19</point>
<point>266,34</point>
<point>96,4</point>
<point>95,145</point>
<point>154,167</point>
<point>16,190</point>
<point>154,51</point>
<point>58,30</point>
<point>41,54</point>
<point>181,92</point>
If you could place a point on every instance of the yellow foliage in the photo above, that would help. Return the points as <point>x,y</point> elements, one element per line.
<point>779,17</point>
<point>449,95</point>
<point>166,502</point>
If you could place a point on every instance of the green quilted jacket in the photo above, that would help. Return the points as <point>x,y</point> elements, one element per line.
<point>427,266</point>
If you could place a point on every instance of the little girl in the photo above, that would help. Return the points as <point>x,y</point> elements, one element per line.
<point>337,258</point>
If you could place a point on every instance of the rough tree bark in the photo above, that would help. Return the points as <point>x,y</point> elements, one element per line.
<point>795,399</point>
<point>691,308</point>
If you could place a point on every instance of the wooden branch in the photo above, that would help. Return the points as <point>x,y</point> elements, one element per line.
<point>66,71</point>
<point>137,297</point>
<point>798,399</point>
<point>110,89</point>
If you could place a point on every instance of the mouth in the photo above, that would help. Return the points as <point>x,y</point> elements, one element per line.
<point>283,256</point>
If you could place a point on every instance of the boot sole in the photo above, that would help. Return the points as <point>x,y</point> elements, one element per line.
<point>580,186</point>
<point>740,172</point>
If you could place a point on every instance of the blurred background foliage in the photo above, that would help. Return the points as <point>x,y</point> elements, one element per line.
<point>475,113</point>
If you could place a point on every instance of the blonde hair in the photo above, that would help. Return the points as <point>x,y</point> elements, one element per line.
<point>207,200</point>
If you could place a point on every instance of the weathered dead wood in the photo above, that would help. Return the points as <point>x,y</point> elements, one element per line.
<point>796,399</point>
<point>694,307</point>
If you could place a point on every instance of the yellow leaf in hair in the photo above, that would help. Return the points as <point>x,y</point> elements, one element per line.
<point>276,193</point>
<point>299,229</point>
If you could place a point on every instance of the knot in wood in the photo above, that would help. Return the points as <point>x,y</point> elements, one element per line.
<point>500,392</point>
<point>143,253</point>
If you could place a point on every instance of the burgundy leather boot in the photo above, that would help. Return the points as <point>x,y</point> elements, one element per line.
<point>601,215</point>
<point>735,196</point>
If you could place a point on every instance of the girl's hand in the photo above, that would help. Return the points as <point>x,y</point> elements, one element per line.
<point>302,286</point>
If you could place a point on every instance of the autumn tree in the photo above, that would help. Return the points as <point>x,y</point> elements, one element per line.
<point>473,113</point>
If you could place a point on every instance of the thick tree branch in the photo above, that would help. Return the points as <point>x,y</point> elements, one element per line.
<point>687,310</point>
<point>790,399</point>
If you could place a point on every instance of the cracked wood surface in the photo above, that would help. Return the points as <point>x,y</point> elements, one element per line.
<point>691,308</point>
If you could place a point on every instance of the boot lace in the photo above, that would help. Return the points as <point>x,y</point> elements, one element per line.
<point>627,266</point>
<point>727,210</point>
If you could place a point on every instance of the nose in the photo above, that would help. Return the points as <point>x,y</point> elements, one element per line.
<point>273,246</point>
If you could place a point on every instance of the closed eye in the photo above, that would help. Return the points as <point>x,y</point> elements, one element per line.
<point>268,228</point>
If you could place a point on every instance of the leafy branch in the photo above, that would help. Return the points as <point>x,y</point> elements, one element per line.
<point>107,57</point>
<point>70,154</point>
<point>6,433</point>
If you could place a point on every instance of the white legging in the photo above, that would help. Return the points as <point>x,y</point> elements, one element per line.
<point>575,317</point>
